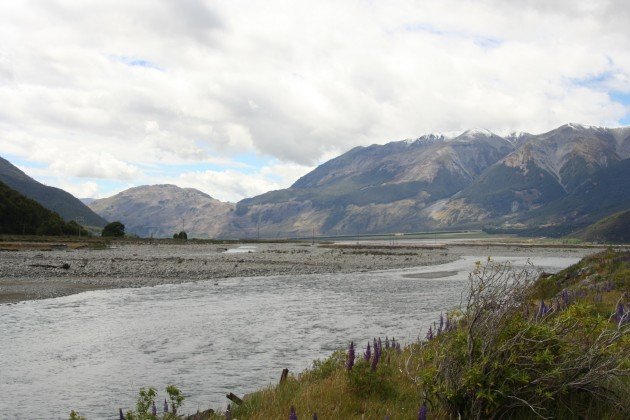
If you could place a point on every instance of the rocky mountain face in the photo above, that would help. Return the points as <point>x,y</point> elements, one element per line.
<point>162,210</point>
<point>59,201</point>
<point>546,169</point>
<point>380,188</point>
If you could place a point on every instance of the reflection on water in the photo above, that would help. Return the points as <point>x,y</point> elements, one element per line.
<point>241,249</point>
<point>92,352</point>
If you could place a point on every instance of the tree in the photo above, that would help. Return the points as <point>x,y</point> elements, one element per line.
<point>116,229</point>
<point>182,236</point>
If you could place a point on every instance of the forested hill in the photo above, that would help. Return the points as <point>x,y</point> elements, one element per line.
<point>21,215</point>
<point>65,204</point>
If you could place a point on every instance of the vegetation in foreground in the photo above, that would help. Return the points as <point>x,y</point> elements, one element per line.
<point>519,347</point>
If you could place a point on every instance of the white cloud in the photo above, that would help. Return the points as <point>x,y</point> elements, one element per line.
<point>104,89</point>
<point>232,185</point>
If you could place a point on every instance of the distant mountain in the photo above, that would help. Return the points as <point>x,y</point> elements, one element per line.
<point>472,180</point>
<point>546,170</point>
<point>162,210</point>
<point>55,199</point>
<point>20,215</point>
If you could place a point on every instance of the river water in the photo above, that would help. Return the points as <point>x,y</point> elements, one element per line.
<point>91,352</point>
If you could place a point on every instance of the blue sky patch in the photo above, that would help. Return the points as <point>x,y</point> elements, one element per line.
<point>138,62</point>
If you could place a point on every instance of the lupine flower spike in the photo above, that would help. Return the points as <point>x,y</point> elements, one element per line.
<point>375,359</point>
<point>154,409</point>
<point>441,326</point>
<point>165,406</point>
<point>121,416</point>
<point>386,342</point>
<point>543,310</point>
<point>350,361</point>
<point>292,414</point>
<point>430,333</point>
<point>368,353</point>
<point>422,413</point>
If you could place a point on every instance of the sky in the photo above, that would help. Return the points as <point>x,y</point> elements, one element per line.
<point>236,98</point>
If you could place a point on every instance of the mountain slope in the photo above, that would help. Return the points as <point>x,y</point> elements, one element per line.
<point>55,199</point>
<point>162,210</point>
<point>22,216</point>
<point>615,228</point>
<point>379,188</point>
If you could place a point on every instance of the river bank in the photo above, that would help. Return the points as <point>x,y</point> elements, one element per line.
<point>27,274</point>
<point>31,273</point>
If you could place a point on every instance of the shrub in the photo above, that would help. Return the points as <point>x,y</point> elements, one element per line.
<point>114,229</point>
<point>506,356</point>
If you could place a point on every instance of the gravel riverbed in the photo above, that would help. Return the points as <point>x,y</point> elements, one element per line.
<point>36,274</point>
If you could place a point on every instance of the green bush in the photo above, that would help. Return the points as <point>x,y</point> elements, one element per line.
<point>114,229</point>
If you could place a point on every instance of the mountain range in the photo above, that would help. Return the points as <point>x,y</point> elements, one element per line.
<point>561,179</point>
<point>542,184</point>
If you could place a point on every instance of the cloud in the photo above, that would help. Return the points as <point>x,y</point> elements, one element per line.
<point>108,89</point>
<point>232,185</point>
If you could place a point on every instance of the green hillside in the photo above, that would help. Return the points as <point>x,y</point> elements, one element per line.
<point>22,216</point>
<point>612,229</point>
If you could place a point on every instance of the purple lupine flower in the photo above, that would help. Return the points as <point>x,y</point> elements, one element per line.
<point>350,361</point>
<point>543,310</point>
<point>380,346</point>
<point>447,324</point>
<point>368,353</point>
<point>422,413</point>
<point>121,416</point>
<point>398,350</point>
<point>375,345</point>
<point>228,413</point>
<point>153,409</point>
<point>375,359</point>
<point>386,342</point>
<point>292,414</point>
<point>441,325</point>
<point>430,333</point>
<point>165,406</point>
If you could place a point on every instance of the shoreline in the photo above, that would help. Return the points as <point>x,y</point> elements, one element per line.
<point>31,274</point>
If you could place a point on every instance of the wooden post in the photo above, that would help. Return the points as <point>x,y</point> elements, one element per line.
<point>234,398</point>
<point>285,374</point>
